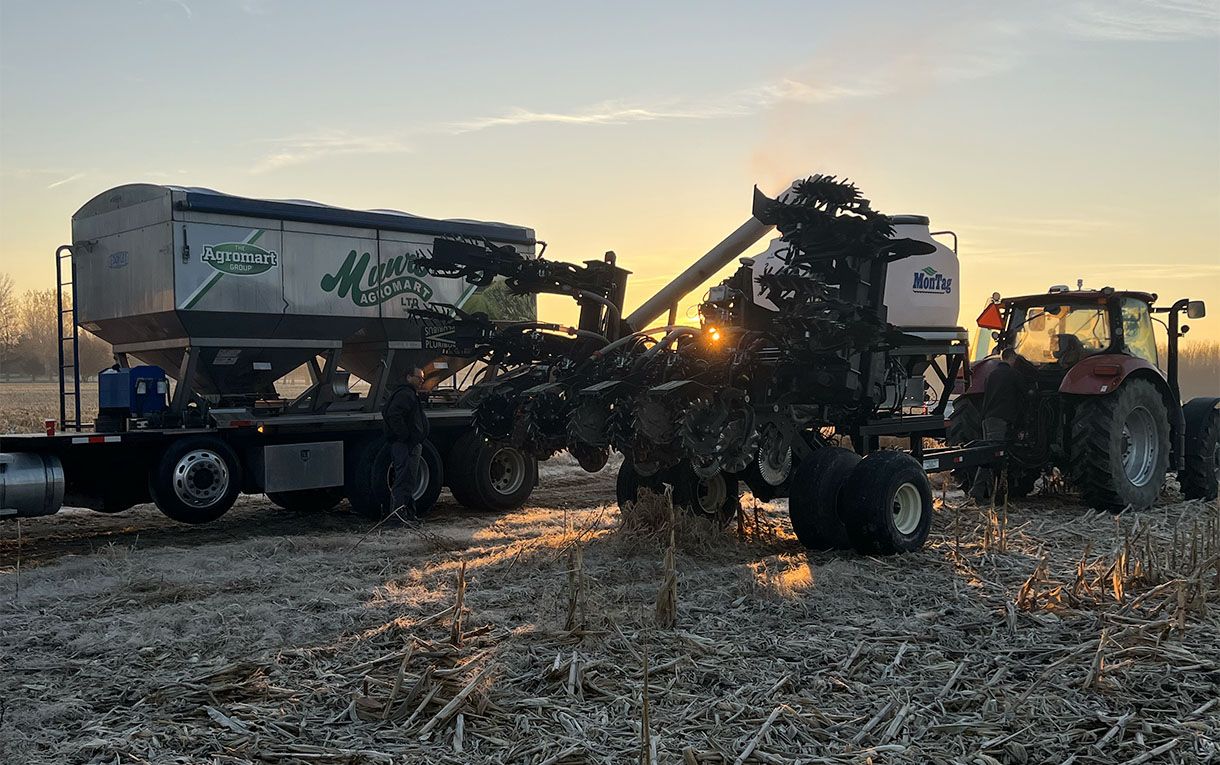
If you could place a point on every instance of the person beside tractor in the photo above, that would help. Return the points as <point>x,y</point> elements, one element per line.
<point>406,427</point>
<point>1003,395</point>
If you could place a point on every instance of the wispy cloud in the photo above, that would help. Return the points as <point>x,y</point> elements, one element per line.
<point>62,181</point>
<point>295,149</point>
<point>1147,20</point>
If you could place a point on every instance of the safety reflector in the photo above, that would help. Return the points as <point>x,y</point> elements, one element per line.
<point>991,318</point>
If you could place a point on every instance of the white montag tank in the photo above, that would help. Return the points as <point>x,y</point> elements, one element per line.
<point>922,294</point>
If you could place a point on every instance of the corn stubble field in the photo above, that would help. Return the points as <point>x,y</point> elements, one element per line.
<point>567,632</point>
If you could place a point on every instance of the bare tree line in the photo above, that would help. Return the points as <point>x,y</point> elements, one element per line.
<point>28,335</point>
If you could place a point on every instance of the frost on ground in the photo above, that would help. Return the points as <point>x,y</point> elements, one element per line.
<point>1050,634</point>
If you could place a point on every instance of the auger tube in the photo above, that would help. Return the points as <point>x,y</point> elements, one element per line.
<point>700,271</point>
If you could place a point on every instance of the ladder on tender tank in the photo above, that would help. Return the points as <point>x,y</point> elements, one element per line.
<point>69,357</point>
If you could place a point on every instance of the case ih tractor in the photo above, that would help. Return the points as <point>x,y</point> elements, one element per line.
<point>1099,405</point>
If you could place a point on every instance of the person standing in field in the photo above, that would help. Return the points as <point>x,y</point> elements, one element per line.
<point>406,428</point>
<point>1003,396</point>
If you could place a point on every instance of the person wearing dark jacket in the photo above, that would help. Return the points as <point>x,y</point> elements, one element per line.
<point>406,426</point>
<point>1002,398</point>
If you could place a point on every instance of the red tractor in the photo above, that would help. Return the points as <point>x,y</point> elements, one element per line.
<point>1098,403</point>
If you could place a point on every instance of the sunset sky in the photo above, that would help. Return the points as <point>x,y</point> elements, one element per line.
<point>1060,140</point>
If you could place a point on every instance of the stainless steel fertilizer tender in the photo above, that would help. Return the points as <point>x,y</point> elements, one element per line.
<point>227,295</point>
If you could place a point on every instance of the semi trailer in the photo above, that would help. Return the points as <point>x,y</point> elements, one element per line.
<point>208,300</point>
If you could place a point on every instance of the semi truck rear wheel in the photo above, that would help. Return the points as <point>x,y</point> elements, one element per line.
<point>486,476</point>
<point>886,504</point>
<point>307,500</point>
<point>196,480</point>
<point>813,504</point>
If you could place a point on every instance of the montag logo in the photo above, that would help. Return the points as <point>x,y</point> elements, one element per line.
<point>239,258</point>
<point>370,285</point>
<point>931,281</point>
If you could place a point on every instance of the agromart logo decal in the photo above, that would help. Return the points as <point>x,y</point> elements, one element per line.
<point>240,258</point>
<point>372,284</point>
<point>929,280</point>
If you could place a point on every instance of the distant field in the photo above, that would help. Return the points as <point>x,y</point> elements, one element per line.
<point>23,406</point>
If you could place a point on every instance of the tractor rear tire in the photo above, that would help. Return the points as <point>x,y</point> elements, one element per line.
<point>1200,474</point>
<point>965,425</point>
<point>196,480</point>
<point>1120,447</point>
<point>486,476</point>
<point>307,500</point>
<point>813,502</point>
<point>886,504</point>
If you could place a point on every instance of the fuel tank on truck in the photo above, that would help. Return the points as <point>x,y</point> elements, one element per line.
<point>257,287</point>
<point>922,293</point>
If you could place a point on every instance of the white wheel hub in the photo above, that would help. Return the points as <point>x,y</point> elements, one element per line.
<point>1139,446</point>
<point>507,468</point>
<point>711,494</point>
<point>908,509</point>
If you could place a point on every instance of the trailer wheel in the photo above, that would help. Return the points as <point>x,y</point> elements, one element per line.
<point>715,498</point>
<point>1200,474</point>
<point>485,476</point>
<point>196,480</point>
<point>1120,447</point>
<point>372,474</point>
<point>307,500</point>
<point>813,504</point>
<point>886,504</point>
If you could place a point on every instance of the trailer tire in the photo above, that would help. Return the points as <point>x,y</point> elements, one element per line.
<point>196,480</point>
<point>486,476</point>
<point>1120,447</point>
<point>371,474</point>
<point>1201,470</point>
<point>813,502</point>
<point>307,500</point>
<point>886,504</point>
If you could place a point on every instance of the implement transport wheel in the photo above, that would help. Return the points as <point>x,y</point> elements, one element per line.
<point>307,500</point>
<point>813,502</point>
<point>886,504</point>
<point>1120,447</point>
<point>715,498</point>
<point>1199,476</point>
<point>629,483</point>
<point>371,474</point>
<point>196,480</point>
<point>487,476</point>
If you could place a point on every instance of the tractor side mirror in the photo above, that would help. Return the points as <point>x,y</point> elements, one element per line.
<point>1196,309</point>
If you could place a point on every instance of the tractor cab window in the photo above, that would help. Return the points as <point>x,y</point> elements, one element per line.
<point>1060,333</point>
<point>1138,337</point>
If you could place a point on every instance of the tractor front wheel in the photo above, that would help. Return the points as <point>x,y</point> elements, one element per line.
<point>1120,447</point>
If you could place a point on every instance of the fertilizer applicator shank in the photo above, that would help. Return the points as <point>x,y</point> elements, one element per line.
<point>700,271</point>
